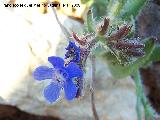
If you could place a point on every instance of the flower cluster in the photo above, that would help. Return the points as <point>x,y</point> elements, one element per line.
<point>130,47</point>
<point>79,54</point>
<point>61,78</point>
<point>124,49</point>
<point>73,52</point>
<point>86,43</point>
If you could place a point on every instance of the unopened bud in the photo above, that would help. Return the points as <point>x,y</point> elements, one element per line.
<point>122,32</point>
<point>103,27</point>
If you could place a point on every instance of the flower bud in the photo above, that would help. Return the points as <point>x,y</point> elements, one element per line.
<point>122,32</point>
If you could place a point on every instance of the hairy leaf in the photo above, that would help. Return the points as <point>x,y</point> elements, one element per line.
<point>132,8</point>
<point>99,8</point>
<point>114,7</point>
<point>90,24</point>
<point>155,56</point>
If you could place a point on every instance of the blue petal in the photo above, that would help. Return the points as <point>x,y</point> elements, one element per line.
<point>70,45</point>
<point>57,62</point>
<point>74,70</point>
<point>77,57</point>
<point>43,72</point>
<point>73,51</point>
<point>52,92</point>
<point>70,89</point>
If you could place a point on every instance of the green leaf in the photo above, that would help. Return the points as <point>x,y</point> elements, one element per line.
<point>90,22</point>
<point>117,70</point>
<point>114,7</point>
<point>120,71</point>
<point>99,8</point>
<point>132,8</point>
<point>155,56</point>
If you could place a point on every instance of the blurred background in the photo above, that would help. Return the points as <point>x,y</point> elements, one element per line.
<point>28,35</point>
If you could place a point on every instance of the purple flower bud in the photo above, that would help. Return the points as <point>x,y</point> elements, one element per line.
<point>103,27</point>
<point>135,53</point>
<point>77,39</point>
<point>128,44</point>
<point>122,32</point>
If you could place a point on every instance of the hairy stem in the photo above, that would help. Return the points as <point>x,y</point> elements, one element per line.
<point>142,99</point>
<point>138,92</point>
<point>95,115</point>
<point>63,28</point>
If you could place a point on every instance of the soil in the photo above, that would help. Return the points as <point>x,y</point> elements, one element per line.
<point>151,77</point>
<point>8,112</point>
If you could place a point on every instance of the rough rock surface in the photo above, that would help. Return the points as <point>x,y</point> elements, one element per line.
<point>26,42</point>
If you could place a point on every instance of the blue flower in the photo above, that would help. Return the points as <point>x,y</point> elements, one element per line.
<point>73,52</point>
<point>62,77</point>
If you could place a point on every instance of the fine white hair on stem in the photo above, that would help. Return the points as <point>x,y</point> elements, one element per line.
<point>63,28</point>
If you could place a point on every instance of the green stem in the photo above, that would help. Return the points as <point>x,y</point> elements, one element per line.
<point>142,99</point>
<point>149,111</point>
<point>138,108</point>
<point>138,92</point>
